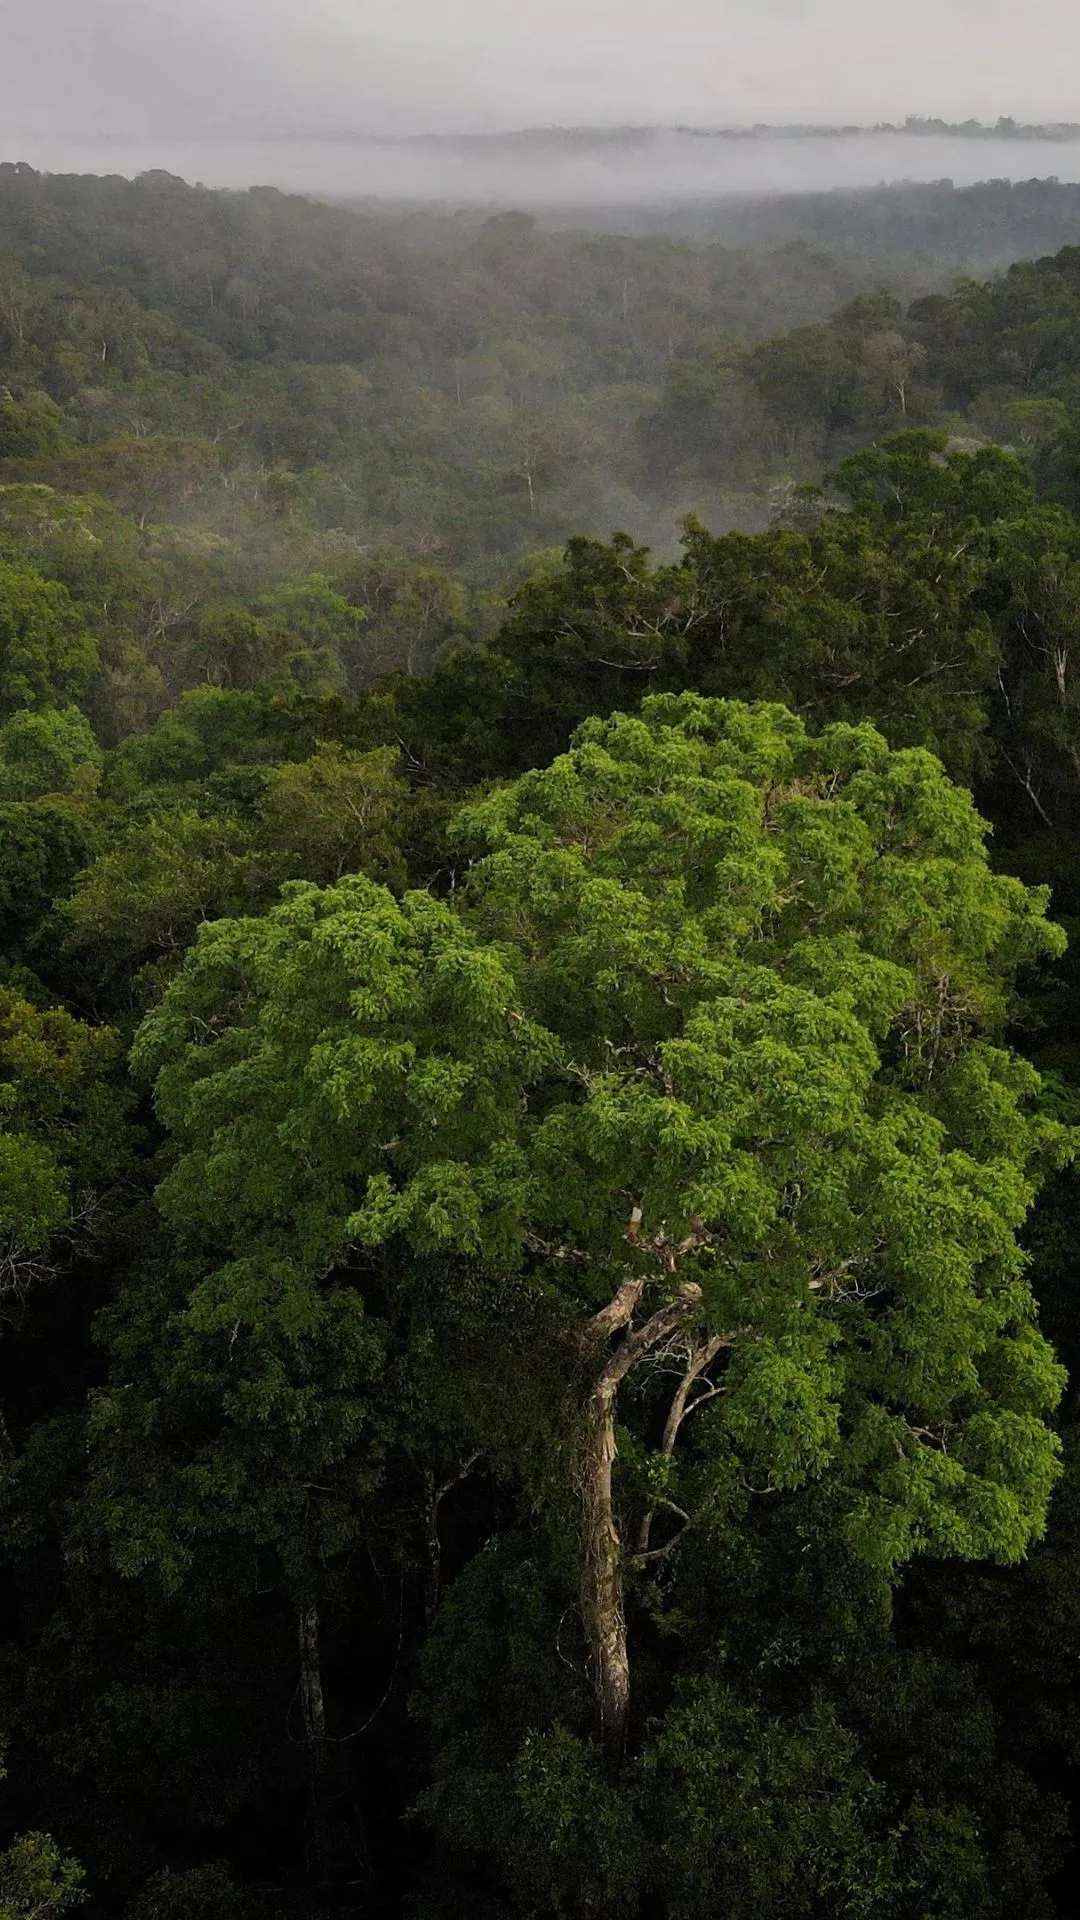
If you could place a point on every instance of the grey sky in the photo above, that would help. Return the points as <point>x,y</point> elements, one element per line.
<point>199,67</point>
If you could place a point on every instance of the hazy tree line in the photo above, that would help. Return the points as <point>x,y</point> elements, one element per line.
<point>973,230</point>
<point>537,1271</point>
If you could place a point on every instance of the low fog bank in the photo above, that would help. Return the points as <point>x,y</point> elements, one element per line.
<point>564,170</point>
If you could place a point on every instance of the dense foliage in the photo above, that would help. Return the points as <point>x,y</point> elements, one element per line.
<point>538,1090</point>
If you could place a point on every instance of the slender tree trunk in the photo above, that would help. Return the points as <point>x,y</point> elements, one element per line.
<point>313,1713</point>
<point>698,1359</point>
<point>312,1705</point>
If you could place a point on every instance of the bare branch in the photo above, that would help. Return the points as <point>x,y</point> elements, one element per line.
<point>618,1314</point>
<point>699,1359</point>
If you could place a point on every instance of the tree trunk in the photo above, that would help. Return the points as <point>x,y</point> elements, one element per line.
<point>311,1692</point>
<point>602,1583</point>
<point>313,1713</point>
<point>603,1574</point>
<point>433,1569</point>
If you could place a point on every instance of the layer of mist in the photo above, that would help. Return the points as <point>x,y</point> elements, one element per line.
<point>537,171</point>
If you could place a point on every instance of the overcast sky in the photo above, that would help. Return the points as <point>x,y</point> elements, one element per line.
<point>198,67</point>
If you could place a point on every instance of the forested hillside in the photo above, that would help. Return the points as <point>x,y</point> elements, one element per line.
<point>469,387</point>
<point>538,1327</point>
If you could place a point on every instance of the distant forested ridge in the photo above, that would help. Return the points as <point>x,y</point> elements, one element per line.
<point>540,1078</point>
<point>976,230</point>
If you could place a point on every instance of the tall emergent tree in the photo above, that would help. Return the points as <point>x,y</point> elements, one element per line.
<point>685,1117</point>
